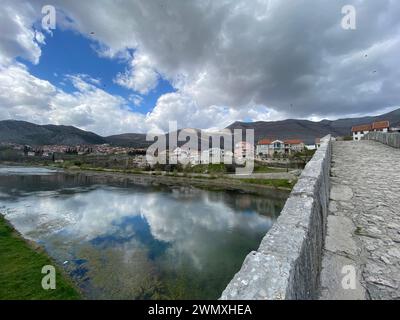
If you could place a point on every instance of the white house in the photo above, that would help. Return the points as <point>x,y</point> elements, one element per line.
<point>278,146</point>
<point>360,131</point>
<point>194,157</point>
<point>263,147</point>
<point>180,155</point>
<point>212,155</point>
<point>382,126</point>
<point>395,129</point>
<point>266,147</point>
<point>294,145</point>
<point>310,147</point>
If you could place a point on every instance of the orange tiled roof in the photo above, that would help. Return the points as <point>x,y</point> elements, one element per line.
<point>264,142</point>
<point>380,125</point>
<point>363,127</point>
<point>293,141</point>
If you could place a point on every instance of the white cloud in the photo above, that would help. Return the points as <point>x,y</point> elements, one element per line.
<point>168,221</point>
<point>184,110</point>
<point>290,57</point>
<point>25,97</point>
<point>140,77</point>
<point>135,99</point>
<point>40,37</point>
<point>17,37</point>
<point>77,79</point>
<point>228,60</point>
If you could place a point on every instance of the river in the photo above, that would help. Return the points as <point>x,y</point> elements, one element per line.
<point>123,240</point>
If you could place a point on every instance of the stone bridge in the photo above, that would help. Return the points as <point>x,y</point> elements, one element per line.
<point>338,236</point>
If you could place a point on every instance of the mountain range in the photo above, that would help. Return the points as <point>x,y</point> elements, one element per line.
<point>309,130</point>
<point>22,132</point>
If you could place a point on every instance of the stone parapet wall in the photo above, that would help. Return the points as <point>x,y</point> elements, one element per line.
<point>287,264</point>
<point>391,139</point>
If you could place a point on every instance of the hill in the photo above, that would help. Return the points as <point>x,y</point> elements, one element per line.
<point>308,130</point>
<point>22,132</point>
<point>135,140</point>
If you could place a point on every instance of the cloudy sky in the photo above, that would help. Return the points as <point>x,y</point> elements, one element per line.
<point>131,66</point>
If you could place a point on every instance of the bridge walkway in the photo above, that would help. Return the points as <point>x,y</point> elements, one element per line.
<point>363,231</point>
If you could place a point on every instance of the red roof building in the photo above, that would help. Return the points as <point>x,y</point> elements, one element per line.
<point>293,141</point>
<point>380,125</point>
<point>264,142</point>
<point>361,128</point>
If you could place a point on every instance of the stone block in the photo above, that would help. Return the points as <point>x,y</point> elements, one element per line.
<point>262,277</point>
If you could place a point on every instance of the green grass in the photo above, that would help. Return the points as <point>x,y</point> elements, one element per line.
<point>20,270</point>
<point>265,169</point>
<point>219,168</point>
<point>277,183</point>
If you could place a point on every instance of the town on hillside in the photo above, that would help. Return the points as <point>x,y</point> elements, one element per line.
<point>262,150</point>
<point>267,149</point>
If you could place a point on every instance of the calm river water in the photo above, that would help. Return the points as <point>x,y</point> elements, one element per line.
<point>122,240</point>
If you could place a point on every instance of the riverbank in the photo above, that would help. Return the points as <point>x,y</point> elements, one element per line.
<point>20,270</point>
<point>277,187</point>
<point>215,178</point>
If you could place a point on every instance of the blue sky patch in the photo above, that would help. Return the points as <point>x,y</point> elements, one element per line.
<point>69,53</point>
